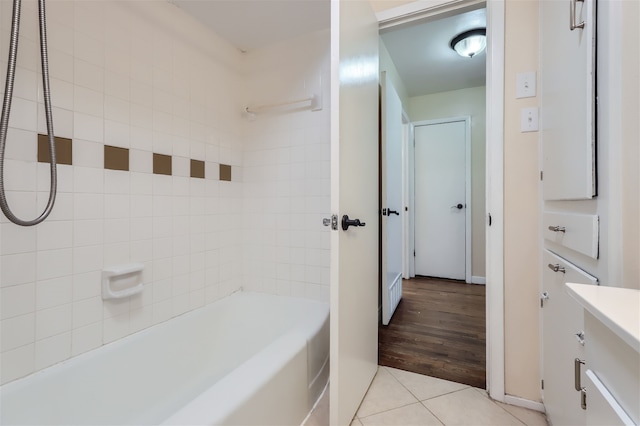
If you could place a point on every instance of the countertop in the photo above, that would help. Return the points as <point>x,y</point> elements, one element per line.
<point>617,308</point>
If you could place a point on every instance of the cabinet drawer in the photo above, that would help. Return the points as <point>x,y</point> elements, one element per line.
<point>602,407</point>
<point>616,365</point>
<point>578,232</point>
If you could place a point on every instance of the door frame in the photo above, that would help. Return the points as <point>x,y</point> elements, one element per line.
<point>407,229</point>
<point>468,231</point>
<point>495,168</point>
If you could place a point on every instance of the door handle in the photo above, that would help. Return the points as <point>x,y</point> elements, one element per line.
<point>458,206</point>
<point>572,15</point>
<point>346,222</point>
<point>390,212</point>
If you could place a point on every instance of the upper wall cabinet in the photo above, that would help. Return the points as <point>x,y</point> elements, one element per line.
<point>567,91</point>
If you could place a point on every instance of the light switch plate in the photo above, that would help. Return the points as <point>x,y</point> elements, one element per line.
<point>526,85</point>
<point>529,120</point>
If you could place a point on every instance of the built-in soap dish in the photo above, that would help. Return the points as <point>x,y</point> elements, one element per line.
<point>122,281</point>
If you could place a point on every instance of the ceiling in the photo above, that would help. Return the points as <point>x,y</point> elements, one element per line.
<point>425,61</point>
<point>420,51</point>
<point>252,24</point>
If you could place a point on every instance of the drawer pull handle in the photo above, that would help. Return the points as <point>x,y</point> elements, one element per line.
<point>576,373</point>
<point>580,337</point>
<point>572,16</point>
<point>557,228</point>
<point>556,268</point>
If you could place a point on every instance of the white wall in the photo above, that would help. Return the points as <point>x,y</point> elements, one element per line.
<point>287,171</point>
<point>630,149</point>
<point>379,5</point>
<point>458,103</point>
<point>521,207</point>
<point>386,64</point>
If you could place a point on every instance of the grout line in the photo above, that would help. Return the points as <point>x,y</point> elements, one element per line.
<point>387,410</point>
<point>433,397</point>
<point>432,413</point>
<point>511,414</point>
<point>444,394</point>
<point>508,412</point>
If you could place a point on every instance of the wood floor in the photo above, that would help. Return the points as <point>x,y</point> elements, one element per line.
<point>438,330</point>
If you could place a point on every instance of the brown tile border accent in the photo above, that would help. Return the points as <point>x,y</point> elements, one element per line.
<point>225,172</point>
<point>64,150</point>
<point>116,158</point>
<point>161,164</point>
<point>197,169</point>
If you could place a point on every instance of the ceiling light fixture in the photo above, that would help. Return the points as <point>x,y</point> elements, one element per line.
<point>470,43</point>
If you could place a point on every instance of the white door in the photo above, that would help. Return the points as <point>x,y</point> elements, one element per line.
<point>354,193</point>
<point>441,199</point>
<point>562,321</point>
<point>567,109</point>
<point>391,193</point>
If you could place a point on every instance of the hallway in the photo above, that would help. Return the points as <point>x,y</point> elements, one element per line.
<point>438,330</point>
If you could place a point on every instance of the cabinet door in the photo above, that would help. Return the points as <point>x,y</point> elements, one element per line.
<point>567,104</point>
<point>562,319</point>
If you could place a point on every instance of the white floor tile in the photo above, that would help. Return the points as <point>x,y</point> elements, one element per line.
<point>528,417</point>
<point>469,407</point>
<point>425,387</point>
<point>413,414</point>
<point>385,393</point>
<point>388,403</point>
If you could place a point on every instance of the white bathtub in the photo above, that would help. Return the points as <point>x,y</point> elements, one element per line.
<point>247,359</point>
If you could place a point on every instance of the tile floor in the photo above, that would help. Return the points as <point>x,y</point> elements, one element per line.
<point>401,398</point>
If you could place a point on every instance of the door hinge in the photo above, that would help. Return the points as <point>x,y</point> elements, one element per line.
<point>541,174</point>
<point>489,219</point>
<point>414,253</point>
<point>542,384</point>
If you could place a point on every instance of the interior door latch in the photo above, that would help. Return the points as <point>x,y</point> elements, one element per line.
<point>332,221</point>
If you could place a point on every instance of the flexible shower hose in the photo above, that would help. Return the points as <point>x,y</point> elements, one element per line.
<point>6,111</point>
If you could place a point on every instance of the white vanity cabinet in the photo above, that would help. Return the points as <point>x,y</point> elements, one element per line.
<point>562,334</point>
<point>612,353</point>
<point>567,99</point>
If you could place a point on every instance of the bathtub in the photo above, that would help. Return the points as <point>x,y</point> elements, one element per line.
<point>249,358</point>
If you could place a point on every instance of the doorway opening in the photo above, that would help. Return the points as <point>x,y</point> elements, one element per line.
<point>439,328</point>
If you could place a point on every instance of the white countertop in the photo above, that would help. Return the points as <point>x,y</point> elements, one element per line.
<point>617,308</point>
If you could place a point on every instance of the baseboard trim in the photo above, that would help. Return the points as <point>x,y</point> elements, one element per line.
<point>524,403</point>
<point>479,280</point>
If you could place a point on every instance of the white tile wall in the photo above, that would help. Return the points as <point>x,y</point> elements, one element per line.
<point>121,77</point>
<point>286,172</point>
